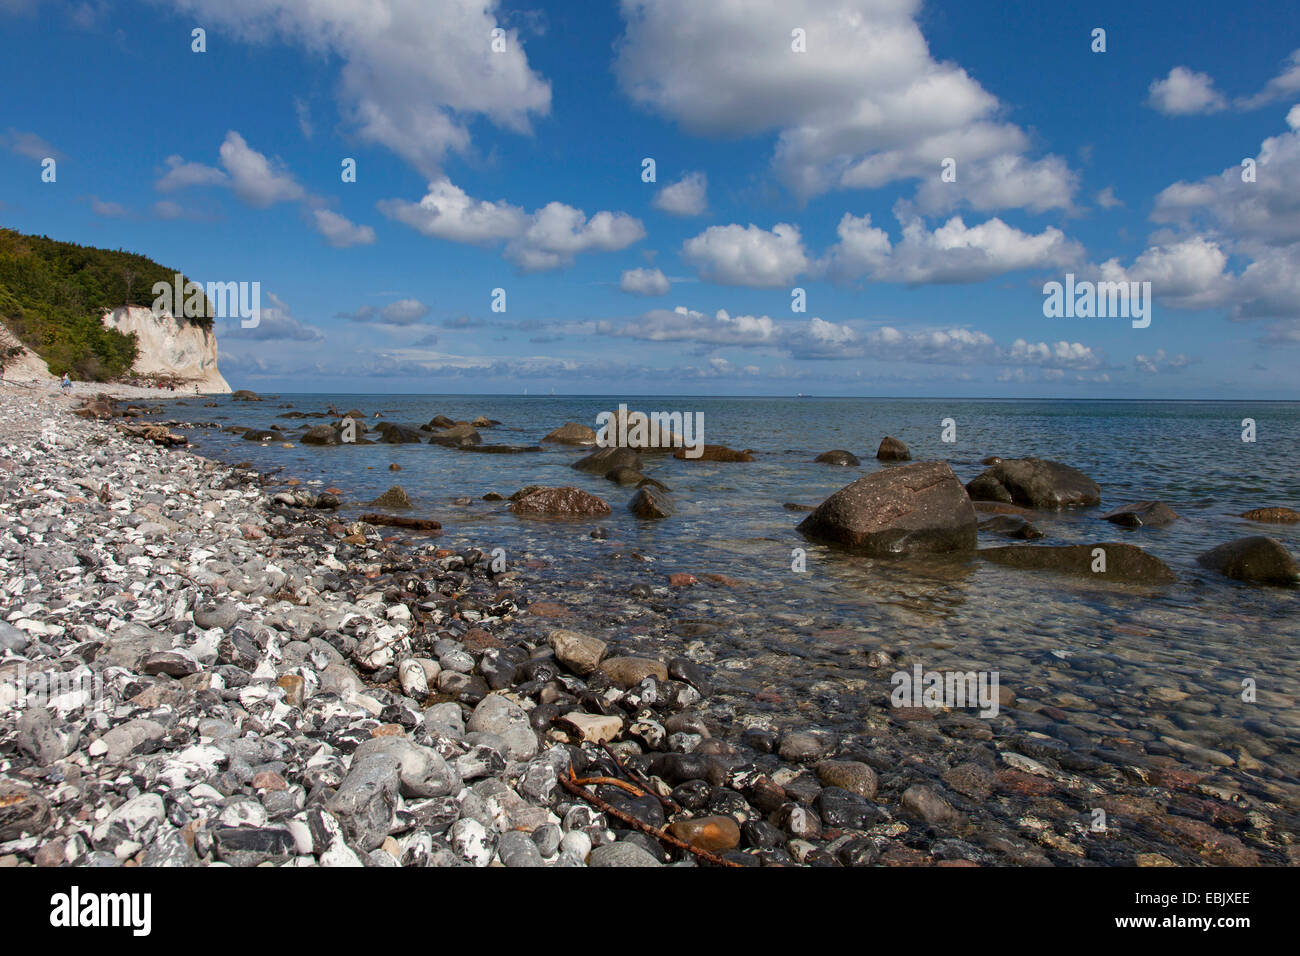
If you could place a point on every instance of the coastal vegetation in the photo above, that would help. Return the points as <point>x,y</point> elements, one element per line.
<point>53,295</point>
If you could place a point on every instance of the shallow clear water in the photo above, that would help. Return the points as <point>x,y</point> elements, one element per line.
<point>1152,666</point>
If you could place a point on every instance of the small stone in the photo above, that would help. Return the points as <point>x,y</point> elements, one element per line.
<point>578,652</point>
<point>594,728</point>
<point>517,849</point>
<point>627,672</point>
<point>621,854</point>
<point>849,775</point>
<point>921,801</point>
<point>803,747</point>
<point>714,834</point>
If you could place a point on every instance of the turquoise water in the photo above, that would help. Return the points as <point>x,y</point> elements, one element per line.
<point>1159,666</point>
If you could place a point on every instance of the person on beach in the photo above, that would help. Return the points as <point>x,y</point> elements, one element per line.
<point>66,384</point>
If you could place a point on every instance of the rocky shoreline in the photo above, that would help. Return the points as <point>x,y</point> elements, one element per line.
<point>243,681</point>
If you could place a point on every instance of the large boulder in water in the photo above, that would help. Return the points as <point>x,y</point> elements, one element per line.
<point>607,459</point>
<point>1036,483</point>
<point>1258,559</point>
<point>244,395</point>
<point>560,502</point>
<point>1111,562</point>
<point>438,423</point>
<point>321,435</point>
<point>398,434</point>
<point>457,435</point>
<point>571,433</point>
<point>912,509</point>
<point>1142,514</point>
<point>262,434</point>
<point>892,449</point>
<point>631,429</point>
<point>837,457</point>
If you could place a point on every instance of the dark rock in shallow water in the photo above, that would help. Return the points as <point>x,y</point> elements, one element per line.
<point>892,449</point>
<point>457,436</point>
<point>987,488</point>
<point>920,801</point>
<point>686,670</point>
<point>321,435</point>
<point>1149,514</point>
<point>913,509</point>
<point>1272,515</point>
<point>837,457</point>
<point>560,502</point>
<point>850,775</point>
<point>607,459</point>
<point>1256,559</point>
<point>650,504</point>
<point>1111,562</point>
<point>624,475</point>
<point>1011,526</point>
<point>394,497</point>
<point>262,434</point>
<point>399,434</point>
<point>842,810</point>
<point>500,449</point>
<point>1036,483</point>
<point>713,453</point>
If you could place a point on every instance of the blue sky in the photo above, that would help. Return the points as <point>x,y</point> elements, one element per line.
<point>521,169</point>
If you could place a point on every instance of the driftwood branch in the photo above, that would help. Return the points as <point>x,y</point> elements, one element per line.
<point>575,787</point>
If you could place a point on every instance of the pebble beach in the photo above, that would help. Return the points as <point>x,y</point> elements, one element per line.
<point>203,664</point>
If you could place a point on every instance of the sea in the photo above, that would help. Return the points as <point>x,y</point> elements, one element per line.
<point>1206,670</point>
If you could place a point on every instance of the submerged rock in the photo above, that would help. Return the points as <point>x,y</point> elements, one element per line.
<point>1111,562</point>
<point>1035,483</point>
<point>650,504</point>
<point>1011,526</point>
<point>607,459</point>
<point>712,453</point>
<point>837,457</point>
<point>1272,515</point>
<point>562,502</point>
<point>1150,514</point>
<point>913,509</point>
<point>1256,559</point>
<point>457,435</point>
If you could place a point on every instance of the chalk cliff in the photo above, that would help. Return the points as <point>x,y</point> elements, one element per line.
<point>165,346</point>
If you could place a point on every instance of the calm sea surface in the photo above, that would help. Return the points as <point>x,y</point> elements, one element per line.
<point>1165,668</point>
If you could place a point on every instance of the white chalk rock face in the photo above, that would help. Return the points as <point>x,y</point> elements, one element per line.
<point>167,346</point>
